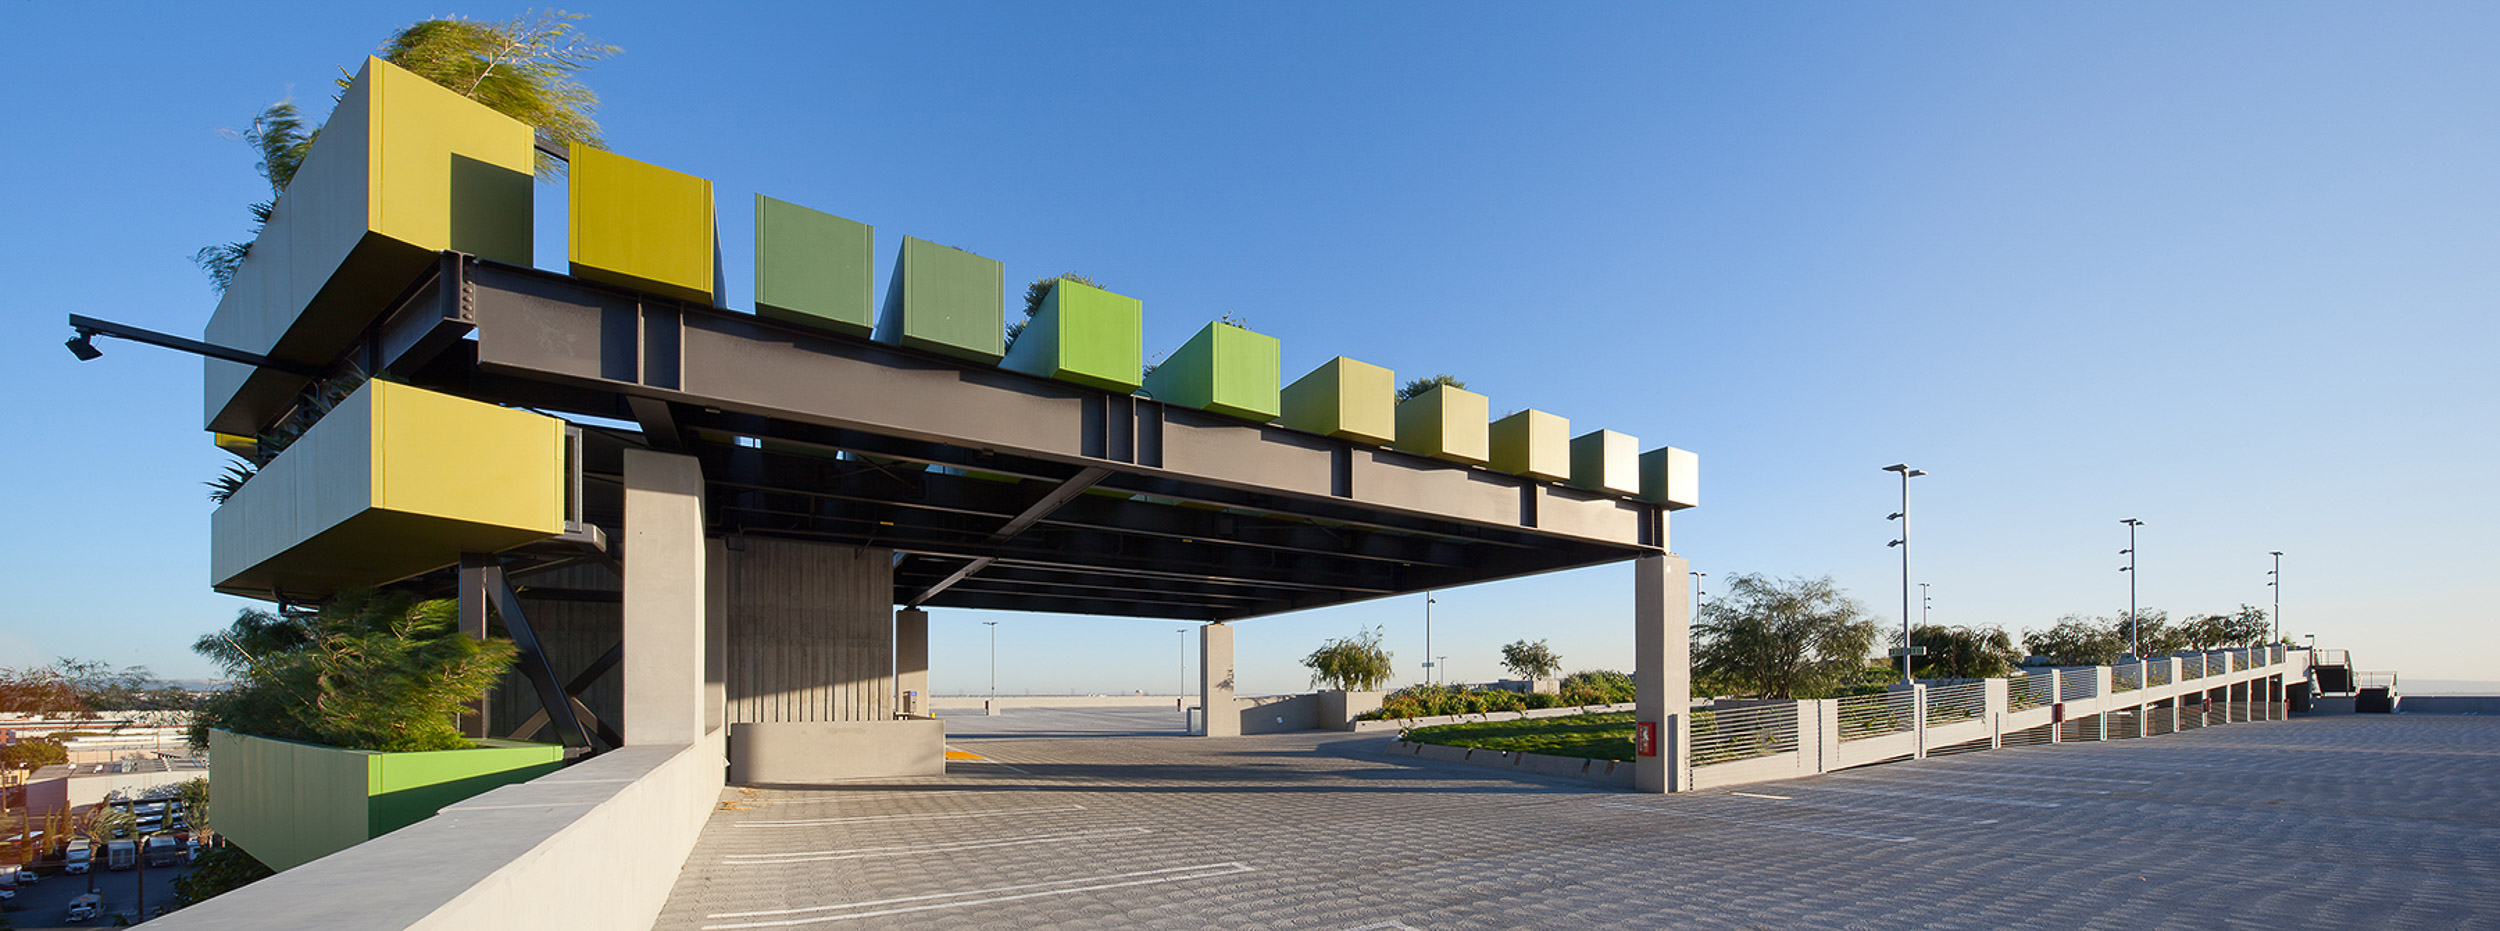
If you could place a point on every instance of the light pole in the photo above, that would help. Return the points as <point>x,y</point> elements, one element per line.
<point>1926,603</point>
<point>1697,577</point>
<point>1903,516</point>
<point>1427,638</point>
<point>2134,629</point>
<point>2274,580</point>
<point>993,661</point>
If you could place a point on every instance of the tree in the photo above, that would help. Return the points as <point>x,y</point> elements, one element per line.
<point>194,795</point>
<point>1531,660</point>
<point>372,671</point>
<point>1782,638</point>
<point>1352,664</point>
<point>1963,652</point>
<point>2079,641</point>
<point>37,690</point>
<point>1039,291</point>
<point>1415,387</point>
<point>98,828</point>
<point>101,687</point>
<point>2246,627</point>
<point>522,68</point>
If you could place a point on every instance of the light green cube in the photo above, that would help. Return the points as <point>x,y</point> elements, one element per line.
<point>1346,399</point>
<point>813,268</point>
<point>1533,444</point>
<point>1447,422</point>
<point>1671,477</point>
<point>1084,335</point>
<point>1603,460</point>
<point>1224,369</point>
<point>945,300</point>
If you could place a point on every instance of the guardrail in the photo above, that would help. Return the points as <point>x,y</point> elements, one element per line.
<point>1754,742</point>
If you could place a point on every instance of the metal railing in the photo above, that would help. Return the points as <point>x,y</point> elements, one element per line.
<point>2157,673</point>
<point>1954,704</point>
<point>1728,735</point>
<point>2126,678</point>
<point>2030,691</point>
<point>1864,716</point>
<point>2078,683</point>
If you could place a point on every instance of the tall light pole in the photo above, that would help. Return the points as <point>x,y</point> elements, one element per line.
<point>2134,628</point>
<point>1903,516</point>
<point>1427,638</point>
<point>2274,580</point>
<point>1697,577</point>
<point>993,661</point>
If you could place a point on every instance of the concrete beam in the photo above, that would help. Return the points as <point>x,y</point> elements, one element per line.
<point>666,599</point>
<point>1215,680</point>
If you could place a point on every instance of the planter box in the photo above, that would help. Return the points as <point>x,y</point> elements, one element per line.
<point>1224,369</point>
<point>642,226</point>
<point>813,268</point>
<point>403,170</point>
<point>1671,477</point>
<point>1346,399</point>
<point>290,803</point>
<point>945,300</point>
<point>393,482</point>
<point>1338,709</point>
<point>1603,460</point>
<point>1446,423</point>
<point>1533,444</point>
<point>1084,335</point>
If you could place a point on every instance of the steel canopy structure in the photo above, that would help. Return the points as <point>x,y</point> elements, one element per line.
<point>995,489</point>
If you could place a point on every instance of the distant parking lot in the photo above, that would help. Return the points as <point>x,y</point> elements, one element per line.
<point>2367,821</point>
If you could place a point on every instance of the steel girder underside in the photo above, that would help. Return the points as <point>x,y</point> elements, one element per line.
<point>995,489</point>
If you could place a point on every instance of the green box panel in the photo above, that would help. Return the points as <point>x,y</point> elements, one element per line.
<point>1448,423</point>
<point>406,788</point>
<point>1224,369</point>
<point>1603,460</point>
<point>290,803</point>
<point>1346,399</point>
<point>1671,477</point>
<point>1084,335</point>
<point>945,300</point>
<point>814,268</point>
<point>1534,444</point>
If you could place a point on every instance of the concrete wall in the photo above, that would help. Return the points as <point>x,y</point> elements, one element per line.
<point>1276,714</point>
<point>806,753</point>
<point>1337,710</point>
<point>977,702</point>
<point>811,632</point>
<point>598,845</point>
<point>2449,704</point>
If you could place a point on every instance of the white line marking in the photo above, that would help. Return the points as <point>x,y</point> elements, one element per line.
<point>1383,926</point>
<point>1948,819</point>
<point>2135,782</point>
<point>1679,813</point>
<point>881,795</point>
<point>1923,781</point>
<point>937,816</point>
<point>1150,877</point>
<point>1945,798</point>
<point>1755,795</point>
<point>862,853</point>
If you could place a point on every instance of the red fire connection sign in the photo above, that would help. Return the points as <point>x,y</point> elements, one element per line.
<point>1645,738</point>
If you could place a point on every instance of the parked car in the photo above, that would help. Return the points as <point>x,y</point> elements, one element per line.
<point>84,907</point>
<point>121,854</point>
<point>26,876</point>
<point>78,857</point>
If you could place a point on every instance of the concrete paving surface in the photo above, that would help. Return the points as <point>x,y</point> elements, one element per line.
<point>2342,822</point>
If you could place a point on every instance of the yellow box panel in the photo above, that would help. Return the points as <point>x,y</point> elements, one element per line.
<point>1533,444</point>
<point>1346,399</point>
<point>642,226</point>
<point>1446,422</point>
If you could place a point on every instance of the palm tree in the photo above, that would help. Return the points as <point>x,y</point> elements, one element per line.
<point>1415,387</point>
<point>522,68</point>
<point>98,828</point>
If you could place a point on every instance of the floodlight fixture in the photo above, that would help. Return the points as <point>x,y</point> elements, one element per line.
<point>83,346</point>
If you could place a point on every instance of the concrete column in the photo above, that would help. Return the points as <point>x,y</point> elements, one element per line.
<point>715,634</point>
<point>911,661</point>
<point>1918,716</point>
<point>1215,680</point>
<point>2000,702</point>
<point>665,598</point>
<point>1662,662</point>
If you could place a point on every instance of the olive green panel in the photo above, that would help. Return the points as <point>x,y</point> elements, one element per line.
<point>288,803</point>
<point>1603,460</point>
<point>642,226</point>
<point>1534,444</point>
<point>1671,477</point>
<point>406,788</point>
<point>1224,369</point>
<point>814,268</point>
<point>1346,399</point>
<point>1084,335</point>
<point>1447,422</point>
<point>945,300</point>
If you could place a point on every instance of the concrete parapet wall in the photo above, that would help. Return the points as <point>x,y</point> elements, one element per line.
<point>597,845</point>
<point>1277,714</point>
<point>1609,772</point>
<point>944,703</point>
<point>2449,704</point>
<point>803,753</point>
<point>1339,709</point>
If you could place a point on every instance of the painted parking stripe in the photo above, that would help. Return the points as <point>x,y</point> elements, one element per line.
<point>864,853</point>
<point>1757,822</point>
<point>819,914</point>
<point>2025,803</point>
<point>1983,773</point>
<point>1924,781</point>
<point>936,816</point>
<point>1788,802</point>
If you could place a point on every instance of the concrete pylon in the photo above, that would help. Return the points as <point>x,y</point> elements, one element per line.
<point>1662,661</point>
<point>666,599</point>
<point>1215,680</point>
<point>911,661</point>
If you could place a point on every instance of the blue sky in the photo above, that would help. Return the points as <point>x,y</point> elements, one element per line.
<point>2228,268</point>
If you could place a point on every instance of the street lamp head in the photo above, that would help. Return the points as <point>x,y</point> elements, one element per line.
<point>2131,522</point>
<point>83,346</point>
<point>1897,467</point>
<point>2275,553</point>
<point>1896,515</point>
<point>2125,568</point>
<point>1913,473</point>
<point>1893,543</point>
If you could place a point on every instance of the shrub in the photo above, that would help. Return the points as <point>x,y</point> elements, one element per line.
<point>1354,664</point>
<point>372,671</point>
<point>31,753</point>
<point>1597,687</point>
